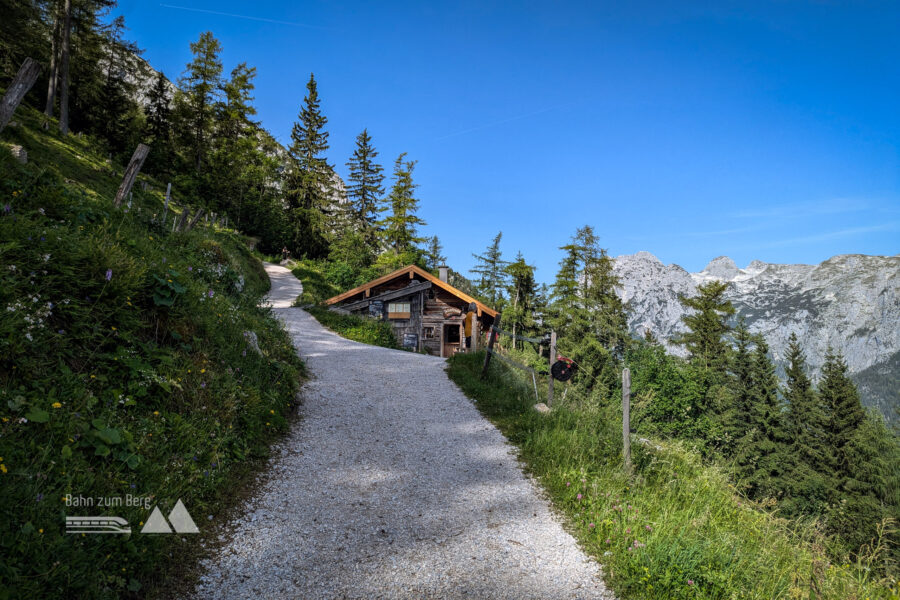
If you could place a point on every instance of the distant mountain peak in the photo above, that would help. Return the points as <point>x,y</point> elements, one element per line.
<point>850,302</point>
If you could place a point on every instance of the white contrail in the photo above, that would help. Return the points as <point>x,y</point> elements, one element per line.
<point>225,14</point>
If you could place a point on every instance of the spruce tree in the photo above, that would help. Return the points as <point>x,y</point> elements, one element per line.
<point>707,326</point>
<point>309,184</point>
<point>401,226</point>
<point>522,288</point>
<point>845,413</point>
<point>158,129</point>
<point>434,254</point>
<point>490,269</point>
<point>736,413</point>
<point>806,426</point>
<point>365,189</point>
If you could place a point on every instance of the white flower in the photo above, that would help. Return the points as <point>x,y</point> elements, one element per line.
<point>28,337</point>
<point>46,257</point>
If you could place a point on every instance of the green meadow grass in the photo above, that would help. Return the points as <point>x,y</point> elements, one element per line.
<point>676,529</point>
<point>125,370</point>
<point>353,327</point>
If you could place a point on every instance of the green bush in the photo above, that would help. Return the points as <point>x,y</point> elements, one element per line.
<point>677,528</point>
<point>358,329</point>
<point>125,370</point>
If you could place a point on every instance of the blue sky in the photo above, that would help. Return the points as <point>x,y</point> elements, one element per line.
<point>691,130</point>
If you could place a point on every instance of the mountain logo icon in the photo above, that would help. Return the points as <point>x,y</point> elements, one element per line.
<point>179,518</point>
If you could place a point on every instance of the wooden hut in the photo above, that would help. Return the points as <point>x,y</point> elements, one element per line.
<point>425,311</point>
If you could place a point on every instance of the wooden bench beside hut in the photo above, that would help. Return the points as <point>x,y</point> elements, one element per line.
<point>425,311</point>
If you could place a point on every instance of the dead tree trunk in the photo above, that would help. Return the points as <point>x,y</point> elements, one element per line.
<point>25,78</point>
<point>54,66</point>
<point>131,172</point>
<point>64,70</point>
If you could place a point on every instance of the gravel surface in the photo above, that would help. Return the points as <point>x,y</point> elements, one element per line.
<point>391,485</point>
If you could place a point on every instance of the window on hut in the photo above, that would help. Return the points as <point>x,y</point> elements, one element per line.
<point>398,310</point>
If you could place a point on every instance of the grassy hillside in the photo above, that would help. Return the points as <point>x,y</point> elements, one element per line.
<point>128,370</point>
<point>676,529</point>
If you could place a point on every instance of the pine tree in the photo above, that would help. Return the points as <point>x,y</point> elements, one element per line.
<point>310,187</point>
<point>736,414</point>
<point>199,90</point>
<point>365,189</point>
<point>490,269</point>
<point>235,149</point>
<point>158,129</point>
<point>707,326</point>
<point>400,227</point>
<point>522,288</point>
<point>762,450</point>
<point>806,426</point>
<point>434,254</point>
<point>845,413</point>
<point>116,111</point>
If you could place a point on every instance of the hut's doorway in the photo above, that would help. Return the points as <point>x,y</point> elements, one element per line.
<point>450,339</point>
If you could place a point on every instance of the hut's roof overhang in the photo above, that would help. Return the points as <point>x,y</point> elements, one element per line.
<point>410,271</point>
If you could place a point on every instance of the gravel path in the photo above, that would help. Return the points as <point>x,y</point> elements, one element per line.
<point>391,485</point>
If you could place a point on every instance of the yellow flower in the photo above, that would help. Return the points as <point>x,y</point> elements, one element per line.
<point>56,405</point>
<point>93,377</point>
<point>113,328</point>
<point>267,423</point>
<point>156,412</point>
<point>272,412</point>
<point>128,303</point>
<point>3,467</point>
<point>202,371</point>
<point>40,531</point>
<point>151,237</point>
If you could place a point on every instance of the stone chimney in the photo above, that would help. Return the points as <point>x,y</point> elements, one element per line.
<point>444,270</point>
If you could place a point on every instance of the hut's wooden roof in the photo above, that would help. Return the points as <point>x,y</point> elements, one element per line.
<point>410,272</point>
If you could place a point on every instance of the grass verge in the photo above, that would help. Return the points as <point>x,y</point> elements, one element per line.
<point>674,530</point>
<point>352,327</point>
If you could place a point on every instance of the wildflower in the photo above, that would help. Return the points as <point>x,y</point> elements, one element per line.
<point>108,274</point>
<point>690,582</point>
<point>113,328</point>
<point>28,337</point>
<point>271,412</point>
<point>210,293</point>
<point>62,332</point>
<point>7,209</point>
<point>203,384</point>
<point>628,530</point>
<point>591,525</point>
<point>56,405</point>
<point>578,497</point>
<point>41,530</point>
<point>202,371</point>
<point>155,413</point>
<point>190,269</point>
<point>608,541</point>
<point>39,498</point>
<point>3,468</point>
<point>568,483</point>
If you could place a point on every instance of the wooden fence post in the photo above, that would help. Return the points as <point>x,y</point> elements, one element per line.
<point>166,207</point>
<point>185,213</point>
<point>131,172</point>
<point>626,418</point>
<point>197,217</point>
<point>490,345</point>
<point>25,78</point>
<point>552,360</point>
<point>474,331</point>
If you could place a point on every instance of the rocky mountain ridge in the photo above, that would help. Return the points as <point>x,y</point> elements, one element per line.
<point>850,302</point>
